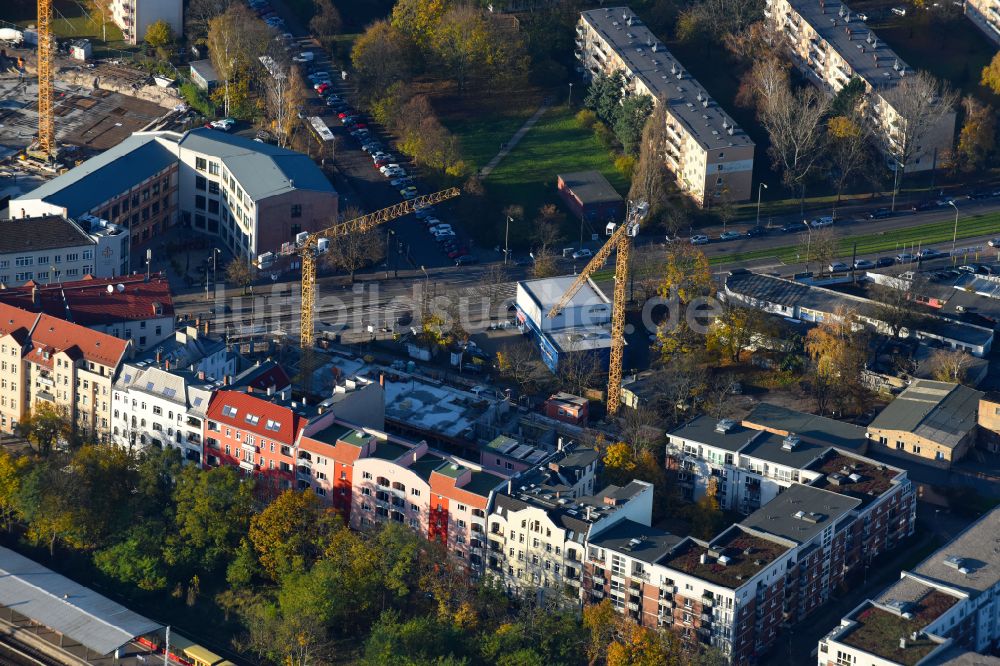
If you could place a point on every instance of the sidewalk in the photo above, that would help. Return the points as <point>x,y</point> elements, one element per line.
<point>514,140</point>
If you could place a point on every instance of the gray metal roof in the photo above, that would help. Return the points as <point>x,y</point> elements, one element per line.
<point>97,180</point>
<point>546,292</point>
<point>649,60</point>
<point>801,512</point>
<point>809,426</point>
<point>771,447</point>
<point>937,411</point>
<point>262,169</point>
<point>704,431</point>
<point>67,607</point>
<point>636,540</point>
<point>978,553</point>
<point>590,186</point>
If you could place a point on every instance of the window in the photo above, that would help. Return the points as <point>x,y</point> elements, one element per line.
<point>200,183</point>
<point>213,168</point>
<point>296,210</point>
<point>213,206</point>
<point>213,187</point>
<point>229,410</point>
<point>199,201</point>
<point>916,449</point>
<point>200,163</point>
<point>899,445</point>
<point>42,260</point>
<point>366,475</point>
<point>415,492</point>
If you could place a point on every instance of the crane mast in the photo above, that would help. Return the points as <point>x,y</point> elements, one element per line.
<point>620,240</point>
<point>46,62</point>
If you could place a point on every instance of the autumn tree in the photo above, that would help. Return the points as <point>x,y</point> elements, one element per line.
<point>291,532</point>
<point>45,427</point>
<point>849,148</point>
<point>241,273</point>
<point>736,329</point>
<point>382,55</point>
<point>158,35</point>
<point>686,277</point>
<point>950,365</point>
<point>519,362</point>
<point>838,348</point>
<point>12,471</point>
<point>921,103</point>
<point>977,140</point>
<point>236,38</point>
<point>48,502</point>
<point>325,22</point>
<point>991,74</point>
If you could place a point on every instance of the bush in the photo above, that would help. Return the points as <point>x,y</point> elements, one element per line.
<point>605,135</point>
<point>625,164</point>
<point>197,99</point>
<point>586,118</point>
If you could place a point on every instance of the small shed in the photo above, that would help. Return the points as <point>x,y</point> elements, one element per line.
<point>80,49</point>
<point>590,196</point>
<point>203,74</point>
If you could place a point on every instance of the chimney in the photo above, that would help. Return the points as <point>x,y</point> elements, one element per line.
<point>415,456</point>
<point>559,444</point>
<point>381,379</point>
<point>249,389</point>
<point>166,366</point>
<point>510,486</point>
<point>270,389</point>
<point>902,643</point>
<point>206,327</point>
<point>588,512</point>
<point>226,379</point>
<point>158,359</point>
<point>201,375</point>
<point>34,295</point>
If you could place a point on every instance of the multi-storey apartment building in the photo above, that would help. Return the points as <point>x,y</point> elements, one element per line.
<point>161,407</point>
<point>130,307</point>
<point>257,433</point>
<point>985,14</point>
<point>254,196</point>
<point>950,602</point>
<point>538,538</point>
<point>132,185</point>
<point>373,478</point>
<point>49,360</point>
<point>135,16</point>
<point>831,46</point>
<point>195,350</point>
<point>711,157</point>
<point>53,248</point>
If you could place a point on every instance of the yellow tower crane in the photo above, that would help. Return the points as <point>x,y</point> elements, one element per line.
<point>308,248</point>
<point>46,62</point>
<point>621,240</point>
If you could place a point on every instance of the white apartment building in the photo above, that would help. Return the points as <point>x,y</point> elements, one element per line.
<point>985,14</point>
<point>711,157</point>
<point>830,45</point>
<point>135,16</point>
<point>190,349</point>
<point>537,539</point>
<point>54,248</point>
<point>950,600</point>
<point>159,407</point>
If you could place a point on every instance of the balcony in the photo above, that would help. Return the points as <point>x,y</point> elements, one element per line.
<point>247,465</point>
<point>707,601</point>
<point>574,582</point>
<point>248,448</point>
<point>705,617</point>
<point>303,476</point>
<point>633,607</point>
<point>667,603</point>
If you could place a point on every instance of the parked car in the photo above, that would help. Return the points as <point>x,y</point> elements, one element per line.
<point>994,242</point>
<point>396,172</point>
<point>862,264</point>
<point>879,214</point>
<point>754,232</point>
<point>821,222</point>
<point>440,227</point>
<point>838,267</point>
<point>466,260</point>
<point>225,124</point>
<point>699,239</point>
<point>583,253</point>
<point>899,11</point>
<point>929,253</point>
<point>458,252</point>
<point>905,258</point>
<point>969,268</point>
<point>400,182</point>
<point>883,262</point>
<point>792,228</point>
<point>730,235</point>
<point>424,211</point>
<point>409,192</point>
<point>384,167</point>
<point>925,204</point>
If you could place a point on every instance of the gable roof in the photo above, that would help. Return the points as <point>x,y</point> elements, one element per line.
<point>88,302</point>
<point>288,423</point>
<point>262,169</point>
<point>80,189</point>
<point>58,335</point>
<point>938,411</point>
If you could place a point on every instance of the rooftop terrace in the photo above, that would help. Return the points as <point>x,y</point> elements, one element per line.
<point>837,468</point>
<point>879,631</point>
<point>746,555</point>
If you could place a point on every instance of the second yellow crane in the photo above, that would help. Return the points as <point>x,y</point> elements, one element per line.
<point>620,240</point>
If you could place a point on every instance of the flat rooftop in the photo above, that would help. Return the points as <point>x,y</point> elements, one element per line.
<point>969,562</point>
<point>726,434</point>
<point>878,630</point>
<point>590,186</point>
<point>636,540</point>
<point>869,57</point>
<point>807,426</point>
<point>801,512</point>
<point>546,292</point>
<point>748,554</point>
<point>649,60</point>
<point>787,451</point>
<point>430,407</point>
<point>581,338</point>
<point>872,478</point>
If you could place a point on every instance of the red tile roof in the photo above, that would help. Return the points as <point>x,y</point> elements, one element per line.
<point>55,335</point>
<point>290,422</point>
<point>88,302</point>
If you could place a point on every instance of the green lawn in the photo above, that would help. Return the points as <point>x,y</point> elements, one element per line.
<point>480,137</point>
<point>891,241</point>
<point>556,144</point>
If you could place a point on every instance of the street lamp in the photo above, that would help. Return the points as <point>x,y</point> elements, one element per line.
<point>388,236</point>
<point>570,102</point>
<point>808,242</point>
<point>954,234</point>
<point>760,186</point>
<point>506,234</point>
<point>215,252</point>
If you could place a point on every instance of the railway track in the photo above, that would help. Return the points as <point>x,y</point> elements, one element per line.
<point>13,652</point>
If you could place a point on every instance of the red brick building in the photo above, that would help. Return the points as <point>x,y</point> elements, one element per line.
<point>567,408</point>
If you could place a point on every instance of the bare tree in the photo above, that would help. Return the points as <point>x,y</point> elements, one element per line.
<point>821,245</point>
<point>520,363</point>
<point>850,148</point>
<point>640,428</point>
<point>682,386</point>
<point>236,39</point>
<point>199,12</point>
<point>578,370</point>
<point>917,105</point>
<point>794,123</point>
<point>355,251</point>
<point>894,308</point>
<point>493,283</point>
<point>950,365</point>
<point>240,272</point>
<point>649,179</point>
